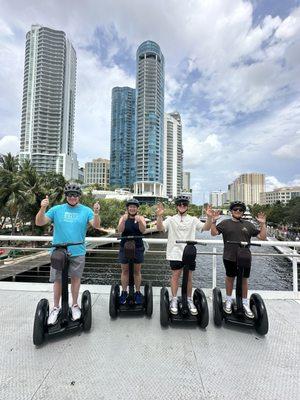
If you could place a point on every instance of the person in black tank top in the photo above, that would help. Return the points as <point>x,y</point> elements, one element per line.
<point>131,224</point>
<point>239,230</point>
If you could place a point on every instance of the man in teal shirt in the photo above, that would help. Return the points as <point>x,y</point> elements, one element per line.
<point>70,222</point>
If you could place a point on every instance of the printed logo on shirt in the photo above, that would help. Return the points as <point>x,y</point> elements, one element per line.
<point>71,217</point>
<point>245,229</point>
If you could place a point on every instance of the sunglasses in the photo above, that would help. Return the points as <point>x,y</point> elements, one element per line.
<point>73,195</point>
<point>182,205</point>
<point>238,209</point>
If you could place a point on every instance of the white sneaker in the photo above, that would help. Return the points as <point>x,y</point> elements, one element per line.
<point>248,312</point>
<point>52,319</point>
<point>76,312</point>
<point>192,307</point>
<point>174,306</point>
<point>227,307</point>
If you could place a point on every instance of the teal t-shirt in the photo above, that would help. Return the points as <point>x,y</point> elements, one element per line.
<point>70,225</point>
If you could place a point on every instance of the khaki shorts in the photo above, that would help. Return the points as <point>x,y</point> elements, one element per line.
<point>75,269</point>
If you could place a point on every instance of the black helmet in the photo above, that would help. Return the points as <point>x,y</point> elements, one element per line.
<point>237,204</point>
<point>182,199</point>
<point>73,187</point>
<point>132,202</point>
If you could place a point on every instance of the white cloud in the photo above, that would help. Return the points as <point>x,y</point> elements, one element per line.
<point>9,144</point>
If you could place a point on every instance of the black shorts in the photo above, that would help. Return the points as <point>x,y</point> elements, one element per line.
<point>231,268</point>
<point>138,259</point>
<point>175,265</point>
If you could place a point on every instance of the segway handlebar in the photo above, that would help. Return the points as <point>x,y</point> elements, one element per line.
<point>191,242</point>
<point>65,245</point>
<point>130,237</point>
<point>244,244</point>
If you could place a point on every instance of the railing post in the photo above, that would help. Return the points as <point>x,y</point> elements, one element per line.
<point>295,273</point>
<point>214,268</point>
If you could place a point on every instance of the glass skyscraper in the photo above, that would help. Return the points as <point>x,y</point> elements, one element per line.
<point>47,128</point>
<point>123,134</point>
<point>150,119</point>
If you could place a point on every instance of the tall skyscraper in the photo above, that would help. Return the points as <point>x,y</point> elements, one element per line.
<point>186,181</point>
<point>247,188</point>
<point>150,119</point>
<point>47,128</point>
<point>97,171</point>
<point>123,135</point>
<point>216,198</point>
<point>172,155</point>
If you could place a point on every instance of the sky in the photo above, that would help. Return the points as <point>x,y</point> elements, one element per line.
<point>232,71</point>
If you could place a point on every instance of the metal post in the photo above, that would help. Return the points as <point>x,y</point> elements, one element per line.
<point>214,268</point>
<point>295,273</point>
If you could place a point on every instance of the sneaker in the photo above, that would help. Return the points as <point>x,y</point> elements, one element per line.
<point>192,307</point>
<point>52,319</point>
<point>247,311</point>
<point>123,297</point>
<point>76,312</point>
<point>227,306</point>
<point>174,306</point>
<point>138,298</point>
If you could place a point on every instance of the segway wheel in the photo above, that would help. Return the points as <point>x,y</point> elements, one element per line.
<point>200,302</point>
<point>86,309</point>
<point>217,306</point>
<point>148,299</point>
<point>258,307</point>
<point>40,322</point>
<point>164,307</point>
<point>114,300</point>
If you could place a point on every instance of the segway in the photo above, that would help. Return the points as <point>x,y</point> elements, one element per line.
<point>199,298</point>
<point>237,317</point>
<point>130,306</point>
<point>60,259</point>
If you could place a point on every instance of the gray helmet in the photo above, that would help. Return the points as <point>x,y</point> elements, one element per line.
<point>182,199</point>
<point>132,202</point>
<point>237,204</point>
<point>72,187</point>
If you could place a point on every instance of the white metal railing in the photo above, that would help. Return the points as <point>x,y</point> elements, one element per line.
<point>106,240</point>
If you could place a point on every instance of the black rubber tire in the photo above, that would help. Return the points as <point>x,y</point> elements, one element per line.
<point>259,310</point>
<point>164,307</point>
<point>40,322</point>
<point>114,300</point>
<point>148,299</point>
<point>217,306</point>
<point>86,309</point>
<point>200,302</point>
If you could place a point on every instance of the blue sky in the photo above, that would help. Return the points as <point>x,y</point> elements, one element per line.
<point>232,71</point>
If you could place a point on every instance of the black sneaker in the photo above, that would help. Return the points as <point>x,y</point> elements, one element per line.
<point>138,298</point>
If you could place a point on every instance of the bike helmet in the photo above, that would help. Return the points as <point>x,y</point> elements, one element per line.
<point>72,188</point>
<point>132,202</point>
<point>237,204</point>
<point>182,199</point>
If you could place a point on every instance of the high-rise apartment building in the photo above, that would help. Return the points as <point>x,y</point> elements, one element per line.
<point>247,188</point>
<point>172,184</point>
<point>123,135</point>
<point>97,171</point>
<point>47,128</point>
<point>216,198</point>
<point>186,181</point>
<point>150,119</point>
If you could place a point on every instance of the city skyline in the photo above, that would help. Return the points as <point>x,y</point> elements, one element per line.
<point>232,74</point>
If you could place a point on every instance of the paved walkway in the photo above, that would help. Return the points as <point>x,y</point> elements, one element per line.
<point>134,358</point>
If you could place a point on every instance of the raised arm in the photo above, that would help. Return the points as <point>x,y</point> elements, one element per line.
<point>142,223</point>
<point>213,230</point>
<point>209,213</point>
<point>121,224</point>
<point>96,221</point>
<point>261,218</point>
<point>159,217</point>
<point>40,218</point>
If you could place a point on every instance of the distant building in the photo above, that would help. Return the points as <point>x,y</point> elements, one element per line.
<point>97,171</point>
<point>172,155</point>
<point>216,198</point>
<point>284,195</point>
<point>247,188</point>
<point>123,134</point>
<point>81,174</point>
<point>186,181</point>
<point>150,80</point>
<point>48,108</point>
